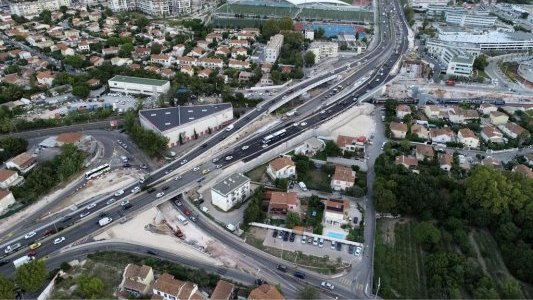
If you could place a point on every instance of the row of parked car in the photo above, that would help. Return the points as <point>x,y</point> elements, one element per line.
<point>316,241</point>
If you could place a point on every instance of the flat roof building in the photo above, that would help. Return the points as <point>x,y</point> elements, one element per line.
<point>273,48</point>
<point>138,85</point>
<point>494,40</point>
<point>184,123</point>
<point>230,191</point>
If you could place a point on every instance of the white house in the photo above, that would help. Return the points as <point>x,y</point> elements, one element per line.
<point>343,179</point>
<point>442,135</point>
<point>230,191</point>
<point>6,200</point>
<point>468,138</point>
<point>9,178</point>
<point>398,130</point>
<point>491,134</point>
<point>169,288</point>
<point>281,167</point>
<point>336,211</point>
<point>486,109</point>
<point>511,129</point>
<point>23,162</point>
<point>402,110</point>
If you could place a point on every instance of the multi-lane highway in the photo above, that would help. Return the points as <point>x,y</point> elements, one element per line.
<point>376,67</point>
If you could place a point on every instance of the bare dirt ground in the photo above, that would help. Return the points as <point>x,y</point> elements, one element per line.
<point>363,125</point>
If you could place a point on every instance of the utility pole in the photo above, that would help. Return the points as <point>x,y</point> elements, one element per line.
<point>377,291</point>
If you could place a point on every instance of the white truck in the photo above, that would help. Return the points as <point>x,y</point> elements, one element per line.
<point>104,221</point>
<point>23,260</point>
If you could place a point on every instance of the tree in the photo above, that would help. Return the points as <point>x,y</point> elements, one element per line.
<point>81,90</point>
<point>7,288</point>
<point>309,293</point>
<point>12,69</point>
<point>125,50</point>
<point>332,149</point>
<point>481,62</point>
<point>11,146</point>
<point>309,58</point>
<point>155,49</point>
<point>282,183</point>
<point>91,287</point>
<point>46,16</point>
<point>511,289</point>
<point>74,60</point>
<point>31,276</point>
<point>270,28</point>
<point>285,23</point>
<point>427,234</point>
<point>320,33</point>
<point>292,220</point>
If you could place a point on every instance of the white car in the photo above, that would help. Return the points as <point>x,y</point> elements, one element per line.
<point>245,147</point>
<point>183,162</point>
<point>118,193</point>
<point>84,214</point>
<point>196,169</point>
<point>59,240</point>
<point>358,251</point>
<point>159,195</point>
<point>92,205</point>
<point>264,145</point>
<point>332,245</point>
<point>110,201</point>
<point>177,178</point>
<point>327,285</point>
<point>215,159</point>
<point>218,166</point>
<point>303,124</point>
<point>229,157</point>
<point>30,235</point>
<point>135,190</point>
<point>125,202</point>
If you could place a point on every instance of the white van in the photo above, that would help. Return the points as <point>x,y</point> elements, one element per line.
<point>183,220</point>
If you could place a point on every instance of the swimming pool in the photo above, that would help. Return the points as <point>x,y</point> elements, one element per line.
<point>336,235</point>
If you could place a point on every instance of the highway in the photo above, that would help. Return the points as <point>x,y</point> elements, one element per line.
<point>78,228</point>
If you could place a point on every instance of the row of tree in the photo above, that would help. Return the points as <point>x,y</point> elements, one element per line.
<point>11,146</point>
<point>29,277</point>
<point>151,142</point>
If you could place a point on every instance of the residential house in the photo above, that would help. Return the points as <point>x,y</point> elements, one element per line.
<point>15,79</point>
<point>282,203</point>
<point>178,50</point>
<point>512,130</point>
<point>185,61</point>
<point>398,130</point>
<point>167,73</point>
<point>445,161</point>
<point>203,44</point>
<point>251,30</point>
<point>93,82</point>
<point>204,73</point>
<point>491,162</point>
<point>230,191</point>
<point>6,200</point>
<point>162,59</point>
<point>349,143</point>
<point>45,78</point>
<point>408,162</point>
<point>120,61</point>
<point>169,288</point>
<point>213,37</point>
<point>343,179</point>
<point>84,46</point>
<point>266,67</point>
<point>498,118</point>
<point>265,292</point>
<point>442,135</point>
<point>238,64</point>
<point>9,178</point>
<point>432,111</point>
<point>223,291</point>
<point>266,80</point>
<point>310,147</point>
<point>402,110</point>
<point>458,115</point>
<point>420,131</point>
<point>223,51</point>
<point>336,211</point>
<point>235,53</point>
<point>196,52</point>
<point>110,51</point>
<point>96,60</point>
<point>468,138</point>
<point>281,167</point>
<point>70,138</point>
<point>491,134</point>
<point>524,170</point>
<point>187,70</point>
<point>141,52</point>
<point>65,50</point>
<point>424,152</point>
<point>486,109</point>
<point>245,76</point>
<point>23,162</point>
<point>239,43</point>
<point>136,280</point>
<point>212,63</point>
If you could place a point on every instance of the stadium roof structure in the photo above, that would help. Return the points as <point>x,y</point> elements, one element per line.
<point>312,2</point>
<point>300,3</point>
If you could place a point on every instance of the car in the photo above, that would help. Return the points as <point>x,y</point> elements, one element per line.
<point>187,212</point>
<point>327,285</point>
<point>264,146</point>
<point>286,235</point>
<point>143,166</point>
<point>126,165</point>
<point>85,214</point>
<point>150,190</point>
<point>292,237</point>
<point>119,192</point>
<point>245,147</point>
<point>59,240</point>
<point>229,157</point>
<point>282,268</point>
<point>166,187</point>
<point>315,241</point>
<point>178,203</point>
<point>215,159</point>
<point>4,262</point>
<point>66,219</point>
<point>275,233</point>
<point>193,218</point>
<point>125,202</point>
<point>332,245</point>
<point>183,162</point>
<point>339,246</point>
<point>177,177</point>
<point>90,206</point>
<point>355,220</point>
<point>303,124</point>
<point>135,190</point>
<point>30,235</point>
<point>304,239</point>
<point>358,251</point>
<point>321,242</point>
<point>160,194</point>
<point>195,169</point>
<point>280,234</point>
<point>110,201</point>
<point>299,274</point>
<point>351,249</point>
<point>218,166</point>
<point>12,248</point>
<point>35,246</point>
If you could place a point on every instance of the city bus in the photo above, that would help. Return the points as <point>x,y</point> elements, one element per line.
<point>97,171</point>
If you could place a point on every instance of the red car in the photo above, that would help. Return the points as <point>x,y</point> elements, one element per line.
<point>32,253</point>
<point>187,212</point>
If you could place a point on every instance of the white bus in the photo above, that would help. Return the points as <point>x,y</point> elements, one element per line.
<point>97,171</point>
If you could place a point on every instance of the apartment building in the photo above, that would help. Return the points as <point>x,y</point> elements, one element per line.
<point>230,191</point>
<point>30,9</point>
<point>156,8</point>
<point>470,20</point>
<point>273,48</point>
<point>324,50</point>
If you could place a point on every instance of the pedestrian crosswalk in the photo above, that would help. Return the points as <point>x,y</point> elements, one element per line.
<point>351,283</point>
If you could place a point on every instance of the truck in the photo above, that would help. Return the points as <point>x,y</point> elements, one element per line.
<point>104,221</point>
<point>302,186</point>
<point>23,260</point>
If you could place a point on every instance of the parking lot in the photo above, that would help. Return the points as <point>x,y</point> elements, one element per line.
<point>310,247</point>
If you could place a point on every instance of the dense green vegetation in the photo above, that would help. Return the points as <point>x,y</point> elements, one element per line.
<point>46,175</point>
<point>31,276</point>
<point>254,212</point>
<point>151,142</point>
<point>488,198</point>
<point>11,146</point>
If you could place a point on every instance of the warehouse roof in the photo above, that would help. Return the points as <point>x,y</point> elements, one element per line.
<point>167,118</point>
<point>138,80</point>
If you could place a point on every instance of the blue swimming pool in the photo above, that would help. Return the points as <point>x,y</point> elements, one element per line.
<point>336,235</point>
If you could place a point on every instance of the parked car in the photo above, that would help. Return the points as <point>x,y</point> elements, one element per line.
<point>332,245</point>
<point>292,236</point>
<point>358,251</point>
<point>339,246</point>
<point>275,233</point>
